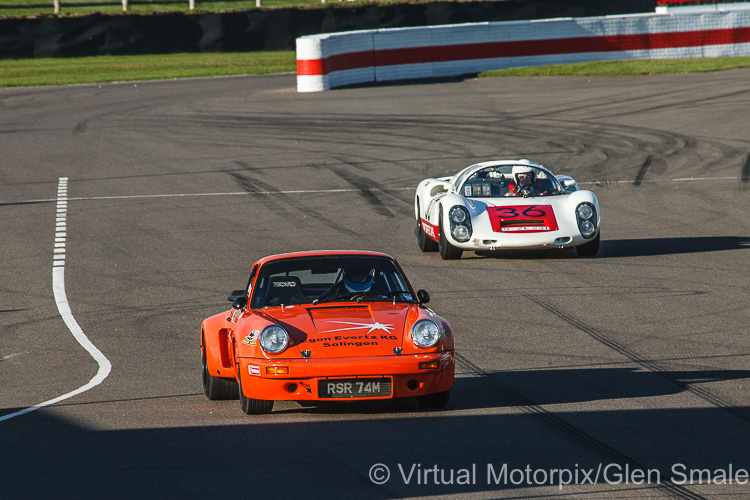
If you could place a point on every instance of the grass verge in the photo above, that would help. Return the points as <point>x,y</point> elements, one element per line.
<point>102,69</point>
<point>628,68</point>
<point>70,8</point>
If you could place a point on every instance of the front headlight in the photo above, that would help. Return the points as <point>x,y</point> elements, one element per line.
<point>425,333</point>
<point>458,215</point>
<point>586,217</point>
<point>585,211</point>
<point>461,233</point>
<point>460,223</point>
<point>273,339</point>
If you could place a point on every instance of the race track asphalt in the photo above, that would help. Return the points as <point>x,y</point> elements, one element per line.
<point>622,375</point>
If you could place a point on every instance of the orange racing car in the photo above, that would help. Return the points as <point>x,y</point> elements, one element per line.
<point>327,326</point>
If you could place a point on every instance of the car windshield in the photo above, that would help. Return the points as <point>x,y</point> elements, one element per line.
<point>313,280</point>
<point>510,180</point>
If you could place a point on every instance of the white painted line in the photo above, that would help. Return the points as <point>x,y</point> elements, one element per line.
<point>657,181</point>
<point>9,356</point>
<point>238,193</point>
<point>333,191</point>
<point>61,299</point>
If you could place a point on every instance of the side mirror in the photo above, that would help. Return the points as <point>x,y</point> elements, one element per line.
<point>235,294</point>
<point>423,296</point>
<point>239,302</point>
<point>570,185</point>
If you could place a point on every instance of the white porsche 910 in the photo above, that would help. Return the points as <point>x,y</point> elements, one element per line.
<point>506,204</point>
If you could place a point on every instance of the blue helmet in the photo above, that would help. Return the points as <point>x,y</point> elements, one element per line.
<point>359,279</point>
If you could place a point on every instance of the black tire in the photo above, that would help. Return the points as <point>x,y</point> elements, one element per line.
<point>426,244</point>
<point>436,400</point>
<point>254,406</point>
<point>216,388</point>
<point>589,249</point>
<point>447,251</point>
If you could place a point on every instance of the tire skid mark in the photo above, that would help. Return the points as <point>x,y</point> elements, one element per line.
<point>367,187</point>
<point>80,127</point>
<point>270,196</point>
<point>648,364</point>
<point>570,430</point>
<point>745,173</point>
<point>642,171</point>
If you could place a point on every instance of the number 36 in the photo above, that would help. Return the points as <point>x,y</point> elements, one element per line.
<point>531,211</point>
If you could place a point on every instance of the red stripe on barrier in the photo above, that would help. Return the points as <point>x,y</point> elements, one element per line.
<point>524,48</point>
<point>311,67</point>
<point>340,62</point>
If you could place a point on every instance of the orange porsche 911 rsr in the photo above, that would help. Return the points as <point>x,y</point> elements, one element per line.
<point>327,326</point>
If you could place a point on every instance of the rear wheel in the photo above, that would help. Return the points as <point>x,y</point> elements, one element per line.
<point>436,400</point>
<point>216,388</point>
<point>589,249</point>
<point>447,251</point>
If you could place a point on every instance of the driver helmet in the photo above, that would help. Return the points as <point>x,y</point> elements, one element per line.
<point>523,169</point>
<point>359,279</point>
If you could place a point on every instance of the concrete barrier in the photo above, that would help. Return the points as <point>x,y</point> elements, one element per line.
<point>334,60</point>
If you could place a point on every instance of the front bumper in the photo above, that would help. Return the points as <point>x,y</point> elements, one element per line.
<point>496,241</point>
<point>301,381</point>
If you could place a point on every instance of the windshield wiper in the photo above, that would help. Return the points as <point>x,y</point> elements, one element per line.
<point>387,295</point>
<point>358,296</point>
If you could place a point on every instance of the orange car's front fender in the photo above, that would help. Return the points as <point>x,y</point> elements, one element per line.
<point>215,343</point>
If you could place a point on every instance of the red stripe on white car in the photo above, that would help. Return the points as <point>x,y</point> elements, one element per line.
<point>431,231</point>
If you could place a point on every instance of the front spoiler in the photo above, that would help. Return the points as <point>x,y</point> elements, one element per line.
<point>539,240</point>
<point>301,383</point>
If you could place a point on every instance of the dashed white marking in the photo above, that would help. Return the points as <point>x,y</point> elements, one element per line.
<point>9,356</point>
<point>61,299</point>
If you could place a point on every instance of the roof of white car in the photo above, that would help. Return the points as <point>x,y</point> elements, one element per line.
<point>468,171</point>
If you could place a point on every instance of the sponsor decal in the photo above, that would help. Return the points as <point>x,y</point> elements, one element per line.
<point>352,340</point>
<point>356,340</point>
<point>525,228</point>
<point>357,326</point>
<point>284,284</point>
<point>429,229</point>
<point>252,338</point>
<point>253,370</point>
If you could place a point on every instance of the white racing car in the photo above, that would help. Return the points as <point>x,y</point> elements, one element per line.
<point>506,204</point>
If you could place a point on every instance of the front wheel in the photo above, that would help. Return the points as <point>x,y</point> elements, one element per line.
<point>254,406</point>
<point>589,249</point>
<point>447,251</point>
<point>426,244</point>
<point>216,388</point>
<point>435,400</point>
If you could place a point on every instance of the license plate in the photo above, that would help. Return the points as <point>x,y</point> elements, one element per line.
<point>354,387</point>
